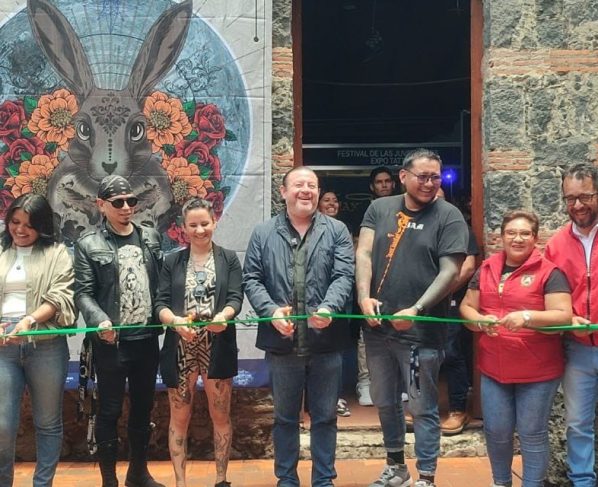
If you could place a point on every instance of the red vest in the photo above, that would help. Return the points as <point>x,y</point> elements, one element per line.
<point>566,251</point>
<point>525,355</point>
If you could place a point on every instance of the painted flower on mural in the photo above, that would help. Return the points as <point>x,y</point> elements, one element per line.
<point>198,153</point>
<point>185,180</point>
<point>12,120</point>
<point>176,234</point>
<point>33,176</point>
<point>167,122</point>
<point>210,124</point>
<point>6,198</point>
<point>52,119</point>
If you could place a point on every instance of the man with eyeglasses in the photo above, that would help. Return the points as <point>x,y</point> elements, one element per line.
<point>116,277</point>
<point>573,249</point>
<point>409,253</point>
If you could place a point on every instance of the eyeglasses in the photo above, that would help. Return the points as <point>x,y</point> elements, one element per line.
<point>583,198</point>
<point>120,202</point>
<point>424,178</point>
<point>200,289</point>
<point>523,234</point>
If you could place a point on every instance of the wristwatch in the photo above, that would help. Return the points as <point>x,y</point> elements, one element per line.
<point>418,307</point>
<point>527,318</point>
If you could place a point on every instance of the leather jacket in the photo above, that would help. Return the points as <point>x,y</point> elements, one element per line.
<point>97,291</point>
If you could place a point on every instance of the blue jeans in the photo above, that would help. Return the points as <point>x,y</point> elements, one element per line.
<point>42,367</point>
<point>319,373</point>
<point>388,361</point>
<point>525,408</point>
<point>580,388</point>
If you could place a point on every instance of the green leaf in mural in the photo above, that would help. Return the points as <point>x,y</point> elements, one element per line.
<point>13,170</point>
<point>230,136</point>
<point>193,158</point>
<point>168,149</point>
<point>30,104</point>
<point>225,190</point>
<point>27,133</point>
<point>189,108</point>
<point>204,172</point>
<point>192,136</point>
<point>3,148</point>
<point>2,183</point>
<point>51,147</point>
<point>26,156</point>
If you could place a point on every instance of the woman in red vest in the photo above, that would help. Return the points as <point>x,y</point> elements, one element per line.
<point>517,289</point>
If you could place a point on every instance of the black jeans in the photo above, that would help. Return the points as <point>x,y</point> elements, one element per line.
<point>137,361</point>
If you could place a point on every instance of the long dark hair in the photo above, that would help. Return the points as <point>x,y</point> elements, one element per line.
<point>40,219</point>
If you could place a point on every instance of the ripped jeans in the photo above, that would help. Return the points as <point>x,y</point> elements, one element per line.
<point>387,358</point>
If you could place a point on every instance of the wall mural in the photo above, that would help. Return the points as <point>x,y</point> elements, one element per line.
<point>171,95</point>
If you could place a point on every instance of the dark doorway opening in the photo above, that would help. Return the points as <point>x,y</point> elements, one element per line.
<point>378,78</point>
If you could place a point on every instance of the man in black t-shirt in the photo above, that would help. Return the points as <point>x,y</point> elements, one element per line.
<point>410,251</point>
<point>116,277</point>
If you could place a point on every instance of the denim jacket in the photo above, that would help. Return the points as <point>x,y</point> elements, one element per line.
<point>268,279</point>
<point>97,291</point>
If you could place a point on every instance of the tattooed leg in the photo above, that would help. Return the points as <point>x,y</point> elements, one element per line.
<point>180,416</point>
<point>219,397</point>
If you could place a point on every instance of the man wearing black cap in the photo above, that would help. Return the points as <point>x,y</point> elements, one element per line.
<point>117,271</point>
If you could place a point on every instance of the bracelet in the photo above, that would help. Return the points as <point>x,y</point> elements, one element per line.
<point>32,320</point>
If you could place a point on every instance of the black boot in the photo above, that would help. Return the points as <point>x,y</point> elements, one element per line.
<point>107,453</point>
<point>138,475</point>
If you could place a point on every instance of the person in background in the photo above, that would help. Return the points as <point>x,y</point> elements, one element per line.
<point>455,361</point>
<point>517,289</point>
<point>201,282</point>
<point>573,249</point>
<point>328,204</point>
<point>410,251</point>
<point>36,286</point>
<point>116,279</point>
<point>382,184</point>
<point>301,262</point>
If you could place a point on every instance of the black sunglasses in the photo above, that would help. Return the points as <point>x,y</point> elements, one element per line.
<point>200,289</point>
<point>120,203</point>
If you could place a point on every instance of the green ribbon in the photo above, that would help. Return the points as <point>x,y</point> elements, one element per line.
<point>429,319</point>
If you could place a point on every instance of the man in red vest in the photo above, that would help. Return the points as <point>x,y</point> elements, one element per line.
<point>572,249</point>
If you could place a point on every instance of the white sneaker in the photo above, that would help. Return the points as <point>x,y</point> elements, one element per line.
<point>424,483</point>
<point>363,395</point>
<point>393,475</point>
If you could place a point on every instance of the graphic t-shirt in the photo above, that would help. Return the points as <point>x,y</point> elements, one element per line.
<point>135,298</point>
<point>405,260</point>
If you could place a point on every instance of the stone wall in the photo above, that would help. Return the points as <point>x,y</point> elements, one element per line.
<point>540,114</point>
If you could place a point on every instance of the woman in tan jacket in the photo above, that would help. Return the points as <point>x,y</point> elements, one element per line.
<point>36,292</point>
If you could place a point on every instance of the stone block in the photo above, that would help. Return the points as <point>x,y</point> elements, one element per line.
<point>504,191</point>
<point>503,115</point>
<point>281,23</point>
<point>282,109</point>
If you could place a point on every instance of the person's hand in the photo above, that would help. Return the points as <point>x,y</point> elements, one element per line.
<point>3,328</point>
<point>217,327</point>
<point>580,320</point>
<point>187,333</point>
<point>317,321</point>
<point>369,307</point>
<point>490,329</point>
<point>284,326</point>
<point>513,321</point>
<point>107,334</point>
<point>402,324</point>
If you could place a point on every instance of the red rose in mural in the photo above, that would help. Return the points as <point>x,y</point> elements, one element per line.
<point>176,234</point>
<point>34,146</point>
<point>12,119</point>
<point>202,154</point>
<point>6,198</point>
<point>217,200</point>
<point>210,124</point>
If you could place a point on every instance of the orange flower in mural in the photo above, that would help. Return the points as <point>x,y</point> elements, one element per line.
<point>33,176</point>
<point>52,120</point>
<point>167,121</point>
<point>185,180</point>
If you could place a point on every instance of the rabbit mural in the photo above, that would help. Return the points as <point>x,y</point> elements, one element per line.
<point>110,126</point>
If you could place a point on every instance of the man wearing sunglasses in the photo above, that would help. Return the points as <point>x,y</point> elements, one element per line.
<point>573,249</point>
<point>409,253</point>
<point>117,269</point>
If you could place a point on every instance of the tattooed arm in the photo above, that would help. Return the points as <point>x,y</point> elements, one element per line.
<point>363,274</point>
